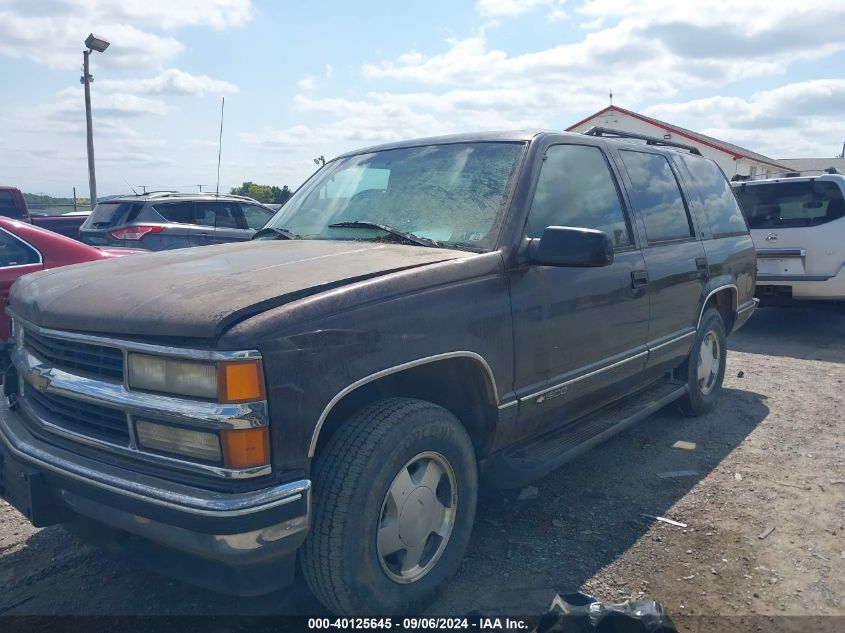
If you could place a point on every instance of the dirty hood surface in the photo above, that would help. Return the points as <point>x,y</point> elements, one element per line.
<point>199,292</point>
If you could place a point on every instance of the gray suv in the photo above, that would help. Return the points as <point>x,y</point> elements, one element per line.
<point>160,221</point>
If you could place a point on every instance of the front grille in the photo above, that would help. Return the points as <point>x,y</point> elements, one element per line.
<point>85,358</point>
<point>85,418</point>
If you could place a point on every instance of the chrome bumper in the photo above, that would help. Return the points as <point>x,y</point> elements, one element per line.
<point>234,528</point>
<point>36,374</point>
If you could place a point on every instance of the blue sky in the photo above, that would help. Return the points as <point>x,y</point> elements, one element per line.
<point>302,80</point>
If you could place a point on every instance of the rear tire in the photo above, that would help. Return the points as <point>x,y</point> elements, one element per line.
<point>704,370</point>
<point>368,551</point>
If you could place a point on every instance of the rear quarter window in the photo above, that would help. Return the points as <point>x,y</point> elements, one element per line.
<point>718,201</point>
<point>788,204</point>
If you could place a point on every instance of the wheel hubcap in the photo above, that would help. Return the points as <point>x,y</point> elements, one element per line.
<point>709,360</point>
<point>417,517</point>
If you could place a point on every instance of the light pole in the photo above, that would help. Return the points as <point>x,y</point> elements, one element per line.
<point>94,43</point>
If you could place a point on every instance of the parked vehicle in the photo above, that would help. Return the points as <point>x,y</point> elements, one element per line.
<point>25,249</point>
<point>798,228</point>
<point>159,221</point>
<point>13,205</point>
<point>418,316</point>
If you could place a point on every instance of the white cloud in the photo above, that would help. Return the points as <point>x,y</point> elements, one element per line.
<point>647,52</point>
<point>307,83</point>
<point>171,82</point>
<point>51,32</point>
<point>798,119</point>
<point>496,8</point>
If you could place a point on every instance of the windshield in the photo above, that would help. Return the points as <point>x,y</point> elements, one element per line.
<point>791,204</point>
<point>453,194</point>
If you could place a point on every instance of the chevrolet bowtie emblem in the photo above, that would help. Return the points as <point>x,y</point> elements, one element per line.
<point>37,379</point>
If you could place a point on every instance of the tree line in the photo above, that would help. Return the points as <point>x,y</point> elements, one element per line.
<point>268,194</point>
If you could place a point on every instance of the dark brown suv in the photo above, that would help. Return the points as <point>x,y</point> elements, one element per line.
<point>418,317</point>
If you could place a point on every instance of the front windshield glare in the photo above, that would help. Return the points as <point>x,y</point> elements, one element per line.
<point>453,194</point>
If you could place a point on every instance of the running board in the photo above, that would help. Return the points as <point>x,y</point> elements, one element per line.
<point>520,464</point>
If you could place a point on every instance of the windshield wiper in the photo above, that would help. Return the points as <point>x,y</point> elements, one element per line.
<point>277,233</point>
<point>360,224</point>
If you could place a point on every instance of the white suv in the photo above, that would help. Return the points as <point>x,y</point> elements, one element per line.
<point>798,228</point>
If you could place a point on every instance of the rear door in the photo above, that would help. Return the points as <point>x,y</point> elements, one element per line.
<point>179,223</point>
<point>674,256</point>
<point>219,221</point>
<point>579,333</point>
<point>17,258</point>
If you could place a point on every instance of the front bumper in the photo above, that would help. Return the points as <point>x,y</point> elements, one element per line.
<point>236,530</point>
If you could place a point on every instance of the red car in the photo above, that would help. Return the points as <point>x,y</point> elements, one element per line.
<point>25,248</point>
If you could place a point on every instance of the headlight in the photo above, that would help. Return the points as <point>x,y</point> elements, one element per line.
<point>241,448</point>
<point>170,375</point>
<point>172,439</point>
<point>227,382</point>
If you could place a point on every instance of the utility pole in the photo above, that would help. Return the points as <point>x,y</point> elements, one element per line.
<point>98,44</point>
<point>92,176</point>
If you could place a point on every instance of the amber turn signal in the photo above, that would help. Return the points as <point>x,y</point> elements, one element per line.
<point>245,448</point>
<point>241,381</point>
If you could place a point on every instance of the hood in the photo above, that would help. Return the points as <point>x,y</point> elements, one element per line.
<point>199,292</point>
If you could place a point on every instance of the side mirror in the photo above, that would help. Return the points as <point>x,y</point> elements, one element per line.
<point>568,246</point>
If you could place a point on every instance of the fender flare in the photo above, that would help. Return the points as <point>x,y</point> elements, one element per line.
<point>493,393</point>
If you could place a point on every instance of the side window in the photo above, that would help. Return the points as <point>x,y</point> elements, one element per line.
<point>720,206</point>
<point>180,212</point>
<point>255,216</point>
<point>576,188</point>
<point>220,215</point>
<point>8,208</point>
<point>657,196</point>
<point>14,252</point>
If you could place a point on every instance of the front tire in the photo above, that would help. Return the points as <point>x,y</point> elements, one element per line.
<point>704,370</point>
<point>395,491</point>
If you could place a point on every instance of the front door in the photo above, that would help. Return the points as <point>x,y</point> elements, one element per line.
<point>675,258</point>
<point>579,333</point>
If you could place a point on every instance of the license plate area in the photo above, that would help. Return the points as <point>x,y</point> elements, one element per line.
<point>780,265</point>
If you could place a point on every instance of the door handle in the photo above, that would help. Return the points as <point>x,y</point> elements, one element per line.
<point>701,266</point>
<point>639,278</point>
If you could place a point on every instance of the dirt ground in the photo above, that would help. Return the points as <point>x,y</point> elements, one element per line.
<point>765,513</point>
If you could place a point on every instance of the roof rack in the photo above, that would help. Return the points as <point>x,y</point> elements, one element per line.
<point>188,194</point>
<point>650,140</point>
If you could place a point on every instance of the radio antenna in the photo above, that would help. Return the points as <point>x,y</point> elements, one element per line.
<point>220,146</point>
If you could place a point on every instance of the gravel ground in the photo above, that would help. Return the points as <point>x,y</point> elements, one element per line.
<point>764,514</point>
